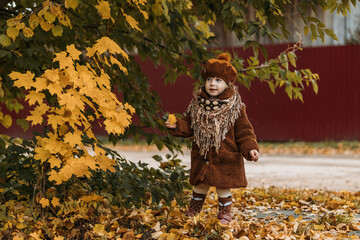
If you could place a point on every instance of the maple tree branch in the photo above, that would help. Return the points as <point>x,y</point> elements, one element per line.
<point>293,48</point>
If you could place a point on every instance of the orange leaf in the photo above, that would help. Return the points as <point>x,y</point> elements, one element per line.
<point>44,202</point>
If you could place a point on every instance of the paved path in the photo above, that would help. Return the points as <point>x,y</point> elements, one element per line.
<point>330,173</point>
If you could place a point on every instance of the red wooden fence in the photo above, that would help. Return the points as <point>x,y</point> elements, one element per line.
<point>333,114</point>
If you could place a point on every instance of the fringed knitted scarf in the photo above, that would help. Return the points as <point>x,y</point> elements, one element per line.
<point>211,119</point>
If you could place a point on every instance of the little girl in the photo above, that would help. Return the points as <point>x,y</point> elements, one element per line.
<point>222,136</point>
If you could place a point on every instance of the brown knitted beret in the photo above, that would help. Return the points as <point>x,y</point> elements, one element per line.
<point>220,67</point>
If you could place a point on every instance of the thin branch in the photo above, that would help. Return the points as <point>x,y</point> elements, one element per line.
<point>294,48</point>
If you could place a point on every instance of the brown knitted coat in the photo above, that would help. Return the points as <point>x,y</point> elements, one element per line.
<point>224,169</point>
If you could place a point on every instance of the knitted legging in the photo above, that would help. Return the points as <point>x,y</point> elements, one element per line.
<point>203,189</point>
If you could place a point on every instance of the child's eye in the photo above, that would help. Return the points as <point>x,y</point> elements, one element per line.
<point>218,80</point>
<point>208,79</point>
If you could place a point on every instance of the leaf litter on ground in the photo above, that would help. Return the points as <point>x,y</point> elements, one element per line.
<point>258,213</point>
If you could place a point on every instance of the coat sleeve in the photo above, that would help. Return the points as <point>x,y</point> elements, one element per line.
<point>183,128</point>
<point>244,135</point>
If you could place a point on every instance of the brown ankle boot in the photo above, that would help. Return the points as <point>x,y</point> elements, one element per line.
<point>224,210</point>
<point>196,204</point>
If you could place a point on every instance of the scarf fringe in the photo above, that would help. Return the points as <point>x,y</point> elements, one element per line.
<point>210,127</point>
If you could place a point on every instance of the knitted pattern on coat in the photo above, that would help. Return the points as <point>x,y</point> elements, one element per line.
<point>210,127</point>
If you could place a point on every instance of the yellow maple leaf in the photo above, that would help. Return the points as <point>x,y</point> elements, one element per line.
<point>88,161</point>
<point>59,238</point>
<point>34,21</point>
<point>22,79</point>
<point>132,22</point>
<point>55,176</point>
<point>65,20</point>
<point>63,59</point>
<point>115,61</point>
<point>42,109</point>
<point>28,32</point>
<point>5,41</point>
<point>11,22</point>
<point>99,151</point>
<point>73,52</point>
<point>54,161</point>
<point>20,26</point>
<point>105,44</point>
<point>172,119</point>
<point>55,88</point>
<point>55,202</point>
<point>52,75</point>
<point>130,108</point>
<point>71,100</point>
<point>104,9</point>
<point>77,166</point>
<point>112,127</point>
<point>50,17</point>
<point>35,236</point>
<point>56,9</point>
<point>46,26</point>
<point>12,32</point>
<point>144,13</point>
<point>73,138</point>
<point>103,80</point>
<point>54,145</point>
<point>57,31</point>
<point>35,118</point>
<point>19,16</point>
<point>44,202</point>
<point>39,84</point>
<point>34,97</point>
<point>105,163</point>
<point>71,4</point>
<point>54,121</point>
<point>41,153</point>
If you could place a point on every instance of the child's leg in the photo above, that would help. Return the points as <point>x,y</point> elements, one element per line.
<point>197,199</point>
<point>225,202</point>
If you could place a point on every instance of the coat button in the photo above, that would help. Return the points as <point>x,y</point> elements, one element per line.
<point>207,162</point>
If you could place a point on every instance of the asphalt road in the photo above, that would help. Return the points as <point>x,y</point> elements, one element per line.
<point>328,173</point>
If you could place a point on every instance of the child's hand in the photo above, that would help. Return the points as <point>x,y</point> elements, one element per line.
<point>254,154</point>
<point>169,125</point>
<point>171,121</point>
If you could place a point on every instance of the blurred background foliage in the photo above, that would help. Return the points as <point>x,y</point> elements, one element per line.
<point>175,34</point>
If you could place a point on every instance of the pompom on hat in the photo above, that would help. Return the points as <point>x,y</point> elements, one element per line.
<point>220,67</point>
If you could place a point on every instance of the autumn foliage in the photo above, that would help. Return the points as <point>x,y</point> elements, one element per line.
<point>81,97</point>
<point>70,61</point>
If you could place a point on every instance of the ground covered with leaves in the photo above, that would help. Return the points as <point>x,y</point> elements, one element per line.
<point>259,213</point>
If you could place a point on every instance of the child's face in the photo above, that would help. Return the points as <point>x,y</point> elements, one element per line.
<point>215,86</point>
